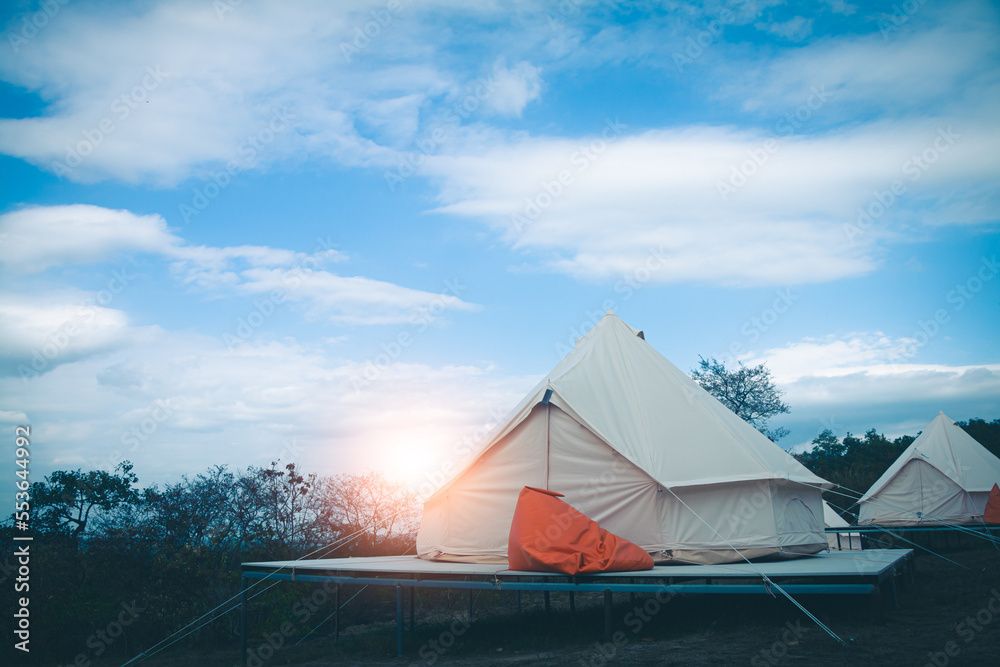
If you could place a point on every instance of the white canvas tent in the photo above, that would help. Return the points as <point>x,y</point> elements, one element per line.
<point>639,447</point>
<point>944,476</point>
<point>846,541</point>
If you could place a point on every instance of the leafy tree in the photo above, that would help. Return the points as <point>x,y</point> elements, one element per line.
<point>286,514</point>
<point>67,500</point>
<point>855,463</point>
<point>827,445</point>
<point>748,391</point>
<point>986,433</point>
<point>194,512</point>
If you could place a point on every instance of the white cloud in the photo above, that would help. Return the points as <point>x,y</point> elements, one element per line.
<point>42,237</point>
<point>43,333</point>
<point>863,352</point>
<point>207,404</point>
<point>856,381</point>
<point>795,29</point>
<point>724,206</point>
<point>352,299</point>
<point>13,417</point>
<point>841,7</point>
<point>210,267</point>
<point>894,400</point>
<point>185,88</point>
<point>514,87</point>
<point>38,237</point>
<point>917,71</point>
<point>172,87</point>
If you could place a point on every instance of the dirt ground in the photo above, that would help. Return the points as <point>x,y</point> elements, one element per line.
<point>951,616</point>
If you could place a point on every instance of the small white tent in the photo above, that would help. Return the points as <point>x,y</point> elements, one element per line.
<point>638,446</point>
<point>839,541</point>
<point>944,476</point>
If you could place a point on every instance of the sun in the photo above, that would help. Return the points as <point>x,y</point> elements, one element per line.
<point>408,464</point>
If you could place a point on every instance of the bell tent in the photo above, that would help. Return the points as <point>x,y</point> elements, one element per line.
<point>639,447</point>
<point>839,541</point>
<point>943,477</point>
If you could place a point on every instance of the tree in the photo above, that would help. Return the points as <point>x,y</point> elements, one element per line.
<point>67,500</point>
<point>281,509</point>
<point>986,433</point>
<point>856,462</point>
<point>194,512</point>
<point>748,391</point>
<point>827,446</point>
<point>378,517</point>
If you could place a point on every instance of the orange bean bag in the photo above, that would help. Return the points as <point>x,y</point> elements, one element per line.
<point>991,514</point>
<point>550,535</point>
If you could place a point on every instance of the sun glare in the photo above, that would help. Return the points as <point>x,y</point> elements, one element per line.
<point>409,464</point>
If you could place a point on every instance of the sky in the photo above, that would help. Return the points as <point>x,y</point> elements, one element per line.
<point>353,235</point>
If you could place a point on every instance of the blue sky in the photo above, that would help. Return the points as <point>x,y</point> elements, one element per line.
<point>353,234</point>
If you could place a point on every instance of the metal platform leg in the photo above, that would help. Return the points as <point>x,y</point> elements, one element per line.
<point>893,593</point>
<point>547,605</point>
<point>572,603</point>
<point>608,611</point>
<point>336,618</point>
<point>875,601</point>
<point>399,621</point>
<point>413,592</point>
<point>243,620</point>
<point>518,594</point>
